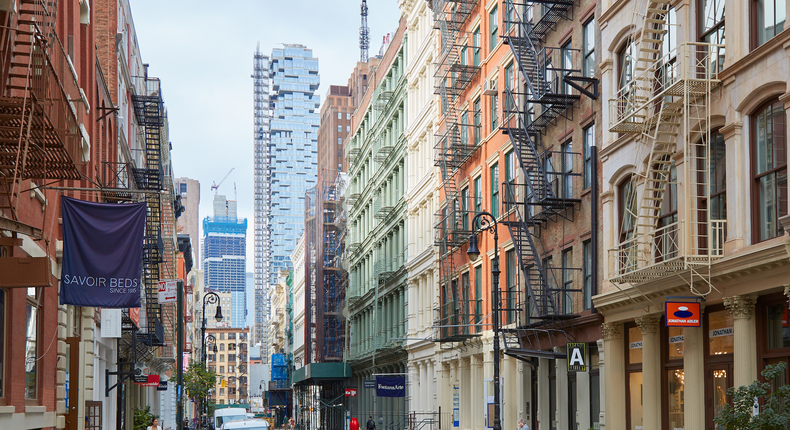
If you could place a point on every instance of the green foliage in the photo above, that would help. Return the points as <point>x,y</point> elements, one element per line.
<point>198,381</point>
<point>774,411</point>
<point>143,418</point>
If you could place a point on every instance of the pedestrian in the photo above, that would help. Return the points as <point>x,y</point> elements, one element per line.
<point>154,425</point>
<point>292,423</point>
<point>522,424</point>
<point>371,425</point>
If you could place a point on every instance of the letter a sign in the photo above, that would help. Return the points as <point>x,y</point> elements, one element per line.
<point>577,357</point>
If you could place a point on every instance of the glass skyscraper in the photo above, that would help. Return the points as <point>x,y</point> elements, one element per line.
<point>293,150</point>
<point>225,256</point>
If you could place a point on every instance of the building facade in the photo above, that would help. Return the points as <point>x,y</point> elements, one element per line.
<point>231,363</point>
<point>189,221</point>
<point>225,256</point>
<point>693,205</point>
<point>376,243</point>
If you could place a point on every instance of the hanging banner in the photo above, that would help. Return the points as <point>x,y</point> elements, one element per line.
<point>682,314</point>
<point>102,254</point>
<point>577,356</point>
<point>390,386</point>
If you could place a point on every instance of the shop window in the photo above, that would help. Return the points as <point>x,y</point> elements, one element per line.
<point>633,369</point>
<point>676,397</point>
<point>770,170</point>
<point>595,389</point>
<point>720,333</point>
<point>2,341</point>
<point>777,329</point>
<point>553,395</point>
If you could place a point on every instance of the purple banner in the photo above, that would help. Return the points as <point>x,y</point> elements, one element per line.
<point>390,386</point>
<point>102,254</point>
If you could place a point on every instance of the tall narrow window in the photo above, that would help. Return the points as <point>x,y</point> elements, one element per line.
<point>626,57</point>
<point>712,30</point>
<point>493,25</point>
<point>667,233</point>
<point>495,190</point>
<point>589,141</point>
<point>508,102</point>
<point>478,298</point>
<point>770,170</point>
<point>477,120</point>
<point>465,128</point>
<point>478,195</point>
<point>567,281</point>
<point>717,209</point>
<point>465,208</point>
<point>769,18</point>
<point>588,47</point>
<point>494,106</point>
<point>510,167</point>
<point>567,170</point>
<point>464,55</point>
<point>476,47</point>
<point>567,66</point>
<point>511,267</point>
<point>627,219</point>
<point>587,274</point>
<point>465,302</point>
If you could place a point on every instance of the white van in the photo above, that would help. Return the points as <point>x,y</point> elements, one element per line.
<point>248,424</point>
<point>228,414</point>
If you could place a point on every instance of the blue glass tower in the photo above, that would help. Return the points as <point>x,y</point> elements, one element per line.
<point>293,148</point>
<point>225,256</point>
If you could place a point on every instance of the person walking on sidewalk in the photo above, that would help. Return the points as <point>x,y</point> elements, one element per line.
<point>371,425</point>
<point>522,424</point>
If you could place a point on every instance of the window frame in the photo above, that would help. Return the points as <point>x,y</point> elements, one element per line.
<point>588,57</point>
<point>755,32</point>
<point>566,259</point>
<point>588,141</point>
<point>465,208</point>
<point>476,46</point>
<point>478,297</point>
<point>477,120</point>
<point>566,53</point>
<point>510,166</point>
<point>493,28</point>
<point>511,285</point>
<point>567,169</point>
<point>776,170</point>
<point>494,182</point>
<point>34,301</point>
<point>587,274</point>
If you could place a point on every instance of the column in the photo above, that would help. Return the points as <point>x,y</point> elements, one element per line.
<point>412,306</point>
<point>432,383</point>
<point>651,371</point>
<point>739,224</point>
<point>424,386</point>
<point>544,416</point>
<point>414,387</point>
<point>615,376</point>
<point>444,380</point>
<point>694,377</point>
<point>465,391</point>
<point>563,420</point>
<point>477,392</point>
<point>601,384</point>
<point>582,419</point>
<point>509,398</point>
<point>744,359</point>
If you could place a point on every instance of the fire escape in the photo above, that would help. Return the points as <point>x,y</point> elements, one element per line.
<point>668,95</point>
<point>41,133</point>
<point>553,85</point>
<point>149,110</point>
<point>458,138</point>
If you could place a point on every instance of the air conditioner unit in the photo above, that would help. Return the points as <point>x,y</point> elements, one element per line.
<point>489,87</point>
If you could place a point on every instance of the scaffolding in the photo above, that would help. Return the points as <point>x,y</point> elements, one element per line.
<point>325,275</point>
<point>665,101</point>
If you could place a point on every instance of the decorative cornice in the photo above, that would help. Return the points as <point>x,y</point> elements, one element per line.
<point>730,129</point>
<point>612,330</point>
<point>740,306</point>
<point>648,324</point>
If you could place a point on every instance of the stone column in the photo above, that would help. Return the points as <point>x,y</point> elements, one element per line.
<point>444,377</point>
<point>651,371</point>
<point>601,384</point>
<point>694,377</point>
<point>465,386</point>
<point>509,382</point>
<point>477,392</point>
<point>745,357</point>
<point>414,387</point>
<point>544,417</point>
<point>739,225</point>
<point>561,372</point>
<point>615,376</point>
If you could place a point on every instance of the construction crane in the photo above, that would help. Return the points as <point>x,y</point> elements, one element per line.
<point>215,185</point>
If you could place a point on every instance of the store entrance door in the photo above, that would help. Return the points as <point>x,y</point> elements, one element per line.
<point>718,378</point>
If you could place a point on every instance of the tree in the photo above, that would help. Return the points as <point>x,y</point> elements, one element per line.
<point>198,381</point>
<point>770,402</point>
<point>143,418</point>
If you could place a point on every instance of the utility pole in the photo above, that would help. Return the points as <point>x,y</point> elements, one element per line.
<point>180,356</point>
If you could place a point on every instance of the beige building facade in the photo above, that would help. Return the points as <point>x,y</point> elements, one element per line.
<point>694,195</point>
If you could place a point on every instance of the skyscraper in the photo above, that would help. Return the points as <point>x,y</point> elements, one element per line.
<point>224,255</point>
<point>293,148</point>
<point>189,221</point>
<point>263,195</point>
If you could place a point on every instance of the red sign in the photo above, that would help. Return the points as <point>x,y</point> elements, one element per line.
<point>153,381</point>
<point>682,314</point>
<point>351,392</point>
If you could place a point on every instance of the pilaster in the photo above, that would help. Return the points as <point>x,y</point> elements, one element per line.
<point>694,377</point>
<point>651,371</point>
<point>615,376</point>
<point>745,344</point>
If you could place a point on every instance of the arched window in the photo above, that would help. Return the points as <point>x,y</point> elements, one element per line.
<point>769,170</point>
<point>626,209</point>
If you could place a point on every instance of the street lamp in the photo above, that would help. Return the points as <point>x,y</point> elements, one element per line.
<point>212,298</point>
<point>488,222</point>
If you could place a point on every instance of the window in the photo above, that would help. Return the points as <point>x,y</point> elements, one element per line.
<point>589,142</point>
<point>510,166</point>
<point>465,128</point>
<point>464,56</point>
<point>493,25</point>
<point>768,17</point>
<point>478,297</point>
<point>717,208</point>
<point>587,274</point>
<point>712,29</point>
<point>634,379</point>
<point>222,347</point>
<point>348,129</point>
<point>339,115</point>
<point>567,170</point>
<point>182,187</point>
<point>339,140</point>
<point>221,369</point>
<point>627,220</point>
<point>477,119</point>
<point>667,233</point>
<point>588,48</point>
<point>721,337</point>
<point>567,281</point>
<point>465,302</point>
<point>509,85</point>
<point>770,170</point>
<point>212,357</point>
<point>231,357</point>
<point>465,208</point>
<point>478,197</point>
<point>495,190</point>
<point>626,58</point>
<point>476,47</point>
<point>222,357</point>
<point>494,106</point>
<point>31,343</point>
<point>511,286</point>
<point>339,128</point>
<point>567,65</point>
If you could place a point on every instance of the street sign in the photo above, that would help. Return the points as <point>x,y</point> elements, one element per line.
<point>162,386</point>
<point>577,356</point>
<point>370,383</point>
<point>167,291</point>
<point>351,392</point>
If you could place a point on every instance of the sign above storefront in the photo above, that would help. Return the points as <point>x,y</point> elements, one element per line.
<point>390,386</point>
<point>351,392</point>
<point>577,356</point>
<point>682,314</point>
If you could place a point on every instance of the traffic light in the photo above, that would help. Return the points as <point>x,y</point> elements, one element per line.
<point>224,383</point>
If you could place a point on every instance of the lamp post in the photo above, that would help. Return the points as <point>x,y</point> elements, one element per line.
<point>488,222</point>
<point>212,298</point>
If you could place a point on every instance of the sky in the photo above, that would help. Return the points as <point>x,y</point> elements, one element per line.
<point>203,53</point>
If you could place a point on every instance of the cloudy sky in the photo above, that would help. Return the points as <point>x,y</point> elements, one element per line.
<point>202,50</point>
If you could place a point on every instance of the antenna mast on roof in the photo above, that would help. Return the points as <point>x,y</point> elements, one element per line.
<point>364,34</point>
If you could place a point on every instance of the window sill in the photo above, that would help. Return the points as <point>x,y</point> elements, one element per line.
<point>35,409</point>
<point>585,191</point>
<point>7,409</point>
